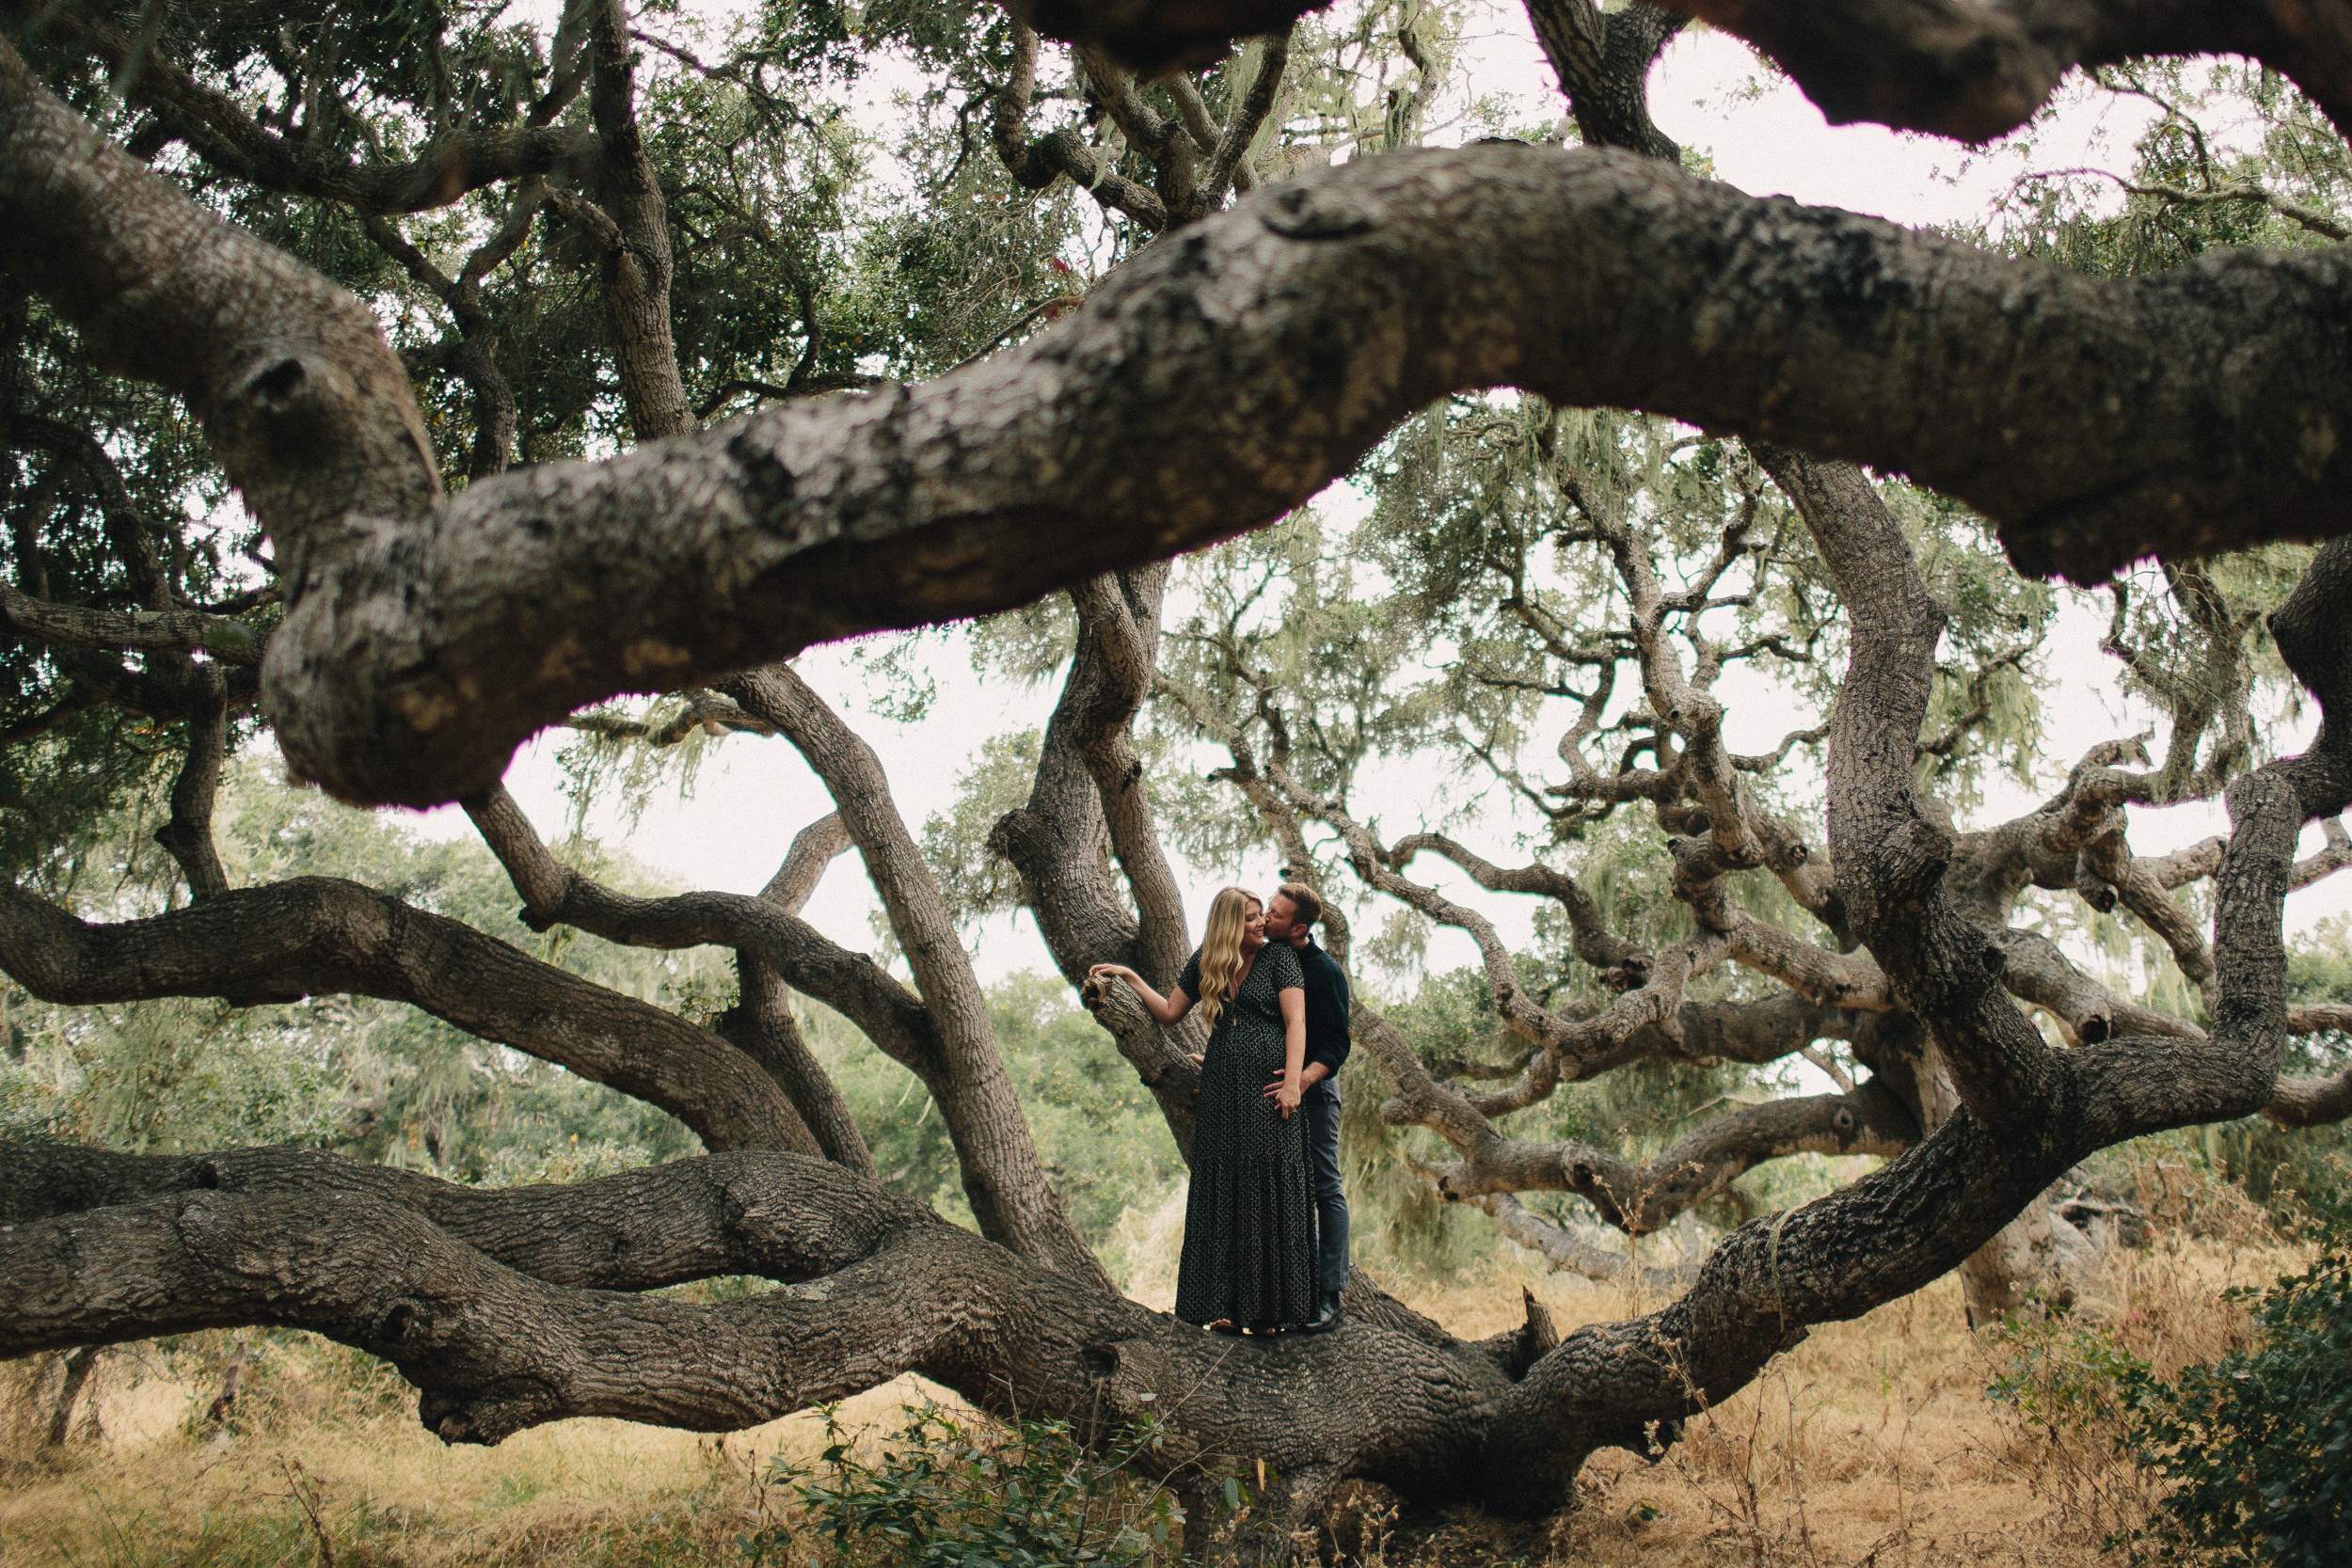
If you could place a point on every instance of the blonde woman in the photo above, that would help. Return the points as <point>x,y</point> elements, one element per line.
<point>1249,1224</point>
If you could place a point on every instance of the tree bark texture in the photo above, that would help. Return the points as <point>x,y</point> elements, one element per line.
<point>316,934</point>
<point>423,642</point>
<point>1183,402</point>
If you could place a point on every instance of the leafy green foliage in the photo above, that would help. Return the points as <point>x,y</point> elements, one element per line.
<point>976,880</point>
<point>2258,1446</point>
<point>2224,133</point>
<point>945,1493</point>
<point>2251,1453</point>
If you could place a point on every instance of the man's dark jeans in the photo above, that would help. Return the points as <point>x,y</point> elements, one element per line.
<point>1321,1106</point>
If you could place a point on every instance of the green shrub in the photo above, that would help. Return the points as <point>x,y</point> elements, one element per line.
<point>2251,1453</point>
<point>2258,1446</point>
<point>948,1494</point>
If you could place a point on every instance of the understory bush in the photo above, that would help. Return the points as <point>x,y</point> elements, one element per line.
<point>948,1493</point>
<point>2258,1444</point>
<point>2244,1459</point>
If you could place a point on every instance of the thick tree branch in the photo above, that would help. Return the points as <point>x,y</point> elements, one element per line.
<point>1564,1250</point>
<point>1757,1294</point>
<point>187,835</point>
<point>1037,163</point>
<point>986,486</point>
<point>761,1021</point>
<point>708,559</point>
<point>1969,70</point>
<point>502,1305</point>
<point>1638,1196</point>
<point>2311,1102</point>
<point>1589,937</point>
<point>1111,674</point>
<point>1229,160</point>
<point>304,401</point>
<point>313,935</point>
<point>765,928</point>
<point>1891,854</point>
<point>220,637</point>
<point>1088,795</point>
<point>1003,1176</point>
<point>1974,70</point>
<point>637,261</point>
<point>472,352</point>
<point>1602,61</point>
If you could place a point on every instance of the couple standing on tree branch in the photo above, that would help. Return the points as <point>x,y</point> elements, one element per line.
<point>1265,1229</point>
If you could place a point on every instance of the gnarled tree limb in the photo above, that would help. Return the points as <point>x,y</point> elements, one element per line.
<point>1003,1176</point>
<point>316,934</point>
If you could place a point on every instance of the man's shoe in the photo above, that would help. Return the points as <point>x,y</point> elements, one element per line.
<point>1324,1321</point>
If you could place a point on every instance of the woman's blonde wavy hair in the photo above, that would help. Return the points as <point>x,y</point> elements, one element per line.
<point>1221,949</point>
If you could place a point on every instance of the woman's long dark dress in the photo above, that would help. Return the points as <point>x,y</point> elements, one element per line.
<point>1250,1225</point>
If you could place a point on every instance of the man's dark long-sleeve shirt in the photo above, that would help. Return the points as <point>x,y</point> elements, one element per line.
<point>1326,1008</point>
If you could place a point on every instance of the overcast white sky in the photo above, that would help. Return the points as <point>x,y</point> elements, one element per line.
<point>756,794</point>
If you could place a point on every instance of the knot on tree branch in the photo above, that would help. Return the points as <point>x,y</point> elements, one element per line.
<point>487,1415</point>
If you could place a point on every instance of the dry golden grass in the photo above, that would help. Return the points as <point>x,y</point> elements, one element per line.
<point>1872,1443</point>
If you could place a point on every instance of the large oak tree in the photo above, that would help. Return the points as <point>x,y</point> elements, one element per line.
<point>327,262</point>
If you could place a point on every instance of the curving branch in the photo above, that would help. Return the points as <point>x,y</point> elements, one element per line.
<point>1037,163</point>
<point>1088,795</point>
<point>1640,1197</point>
<point>1229,157</point>
<point>1756,1295</point>
<point>1567,1252</point>
<point>504,1305</point>
<point>2311,1102</point>
<point>1972,70</point>
<point>316,934</point>
<point>766,930</point>
<point>128,533</point>
<point>187,835</point>
<point>304,401</point>
<point>1965,69</point>
<point>1002,1176</point>
<point>472,351</point>
<point>1616,281</point>
<point>1891,855</point>
<point>808,521</point>
<point>1892,860</point>
<point>220,637</point>
<point>2308,219</point>
<point>761,1021</point>
<point>2035,971</point>
<point>1589,937</point>
<point>220,132</point>
<point>769,941</point>
<point>1111,673</point>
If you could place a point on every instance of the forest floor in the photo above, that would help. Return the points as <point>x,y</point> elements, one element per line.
<point>1874,1443</point>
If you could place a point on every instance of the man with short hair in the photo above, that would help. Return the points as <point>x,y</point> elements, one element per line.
<point>1290,918</point>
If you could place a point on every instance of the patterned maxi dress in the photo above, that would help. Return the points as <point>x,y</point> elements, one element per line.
<point>1249,1224</point>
